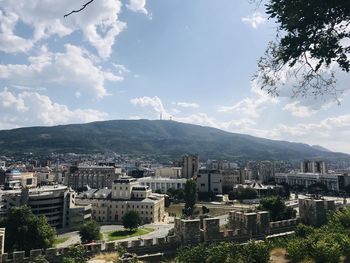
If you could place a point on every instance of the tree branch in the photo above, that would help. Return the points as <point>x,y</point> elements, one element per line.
<point>76,11</point>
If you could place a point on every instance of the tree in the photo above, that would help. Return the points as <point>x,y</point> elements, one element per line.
<point>132,220</point>
<point>312,36</point>
<point>278,210</point>
<point>89,231</point>
<point>243,193</point>
<point>39,259</point>
<point>256,252</point>
<point>76,254</point>
<point>21,228</point>
<point>190,197</point>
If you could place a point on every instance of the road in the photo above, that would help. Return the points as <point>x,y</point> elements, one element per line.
<point>160,230</point>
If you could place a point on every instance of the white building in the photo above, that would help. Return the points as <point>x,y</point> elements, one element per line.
<point>169,172</point>
<point>334,182</point>
<point>15,179</point>
<point>209,181</point>
<point>163,184</point>
<point>110,205</point>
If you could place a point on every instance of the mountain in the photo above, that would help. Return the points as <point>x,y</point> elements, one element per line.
<point>319,147</point>
<point>164,139</point>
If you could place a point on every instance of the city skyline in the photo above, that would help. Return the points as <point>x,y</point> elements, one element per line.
<point>191,61</point>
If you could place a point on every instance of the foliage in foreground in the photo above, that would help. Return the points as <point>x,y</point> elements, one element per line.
<point>26,231</point>
<point>252,252</point>
<point>76,254</point>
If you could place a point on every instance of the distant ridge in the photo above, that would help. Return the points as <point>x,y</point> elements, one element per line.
<point>318,147</point>
<point>168,139</point>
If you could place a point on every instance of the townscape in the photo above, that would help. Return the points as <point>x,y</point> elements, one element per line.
<point>189,202</point>
<point>201,131</point>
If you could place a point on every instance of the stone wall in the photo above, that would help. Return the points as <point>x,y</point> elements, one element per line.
<point>314,211</point>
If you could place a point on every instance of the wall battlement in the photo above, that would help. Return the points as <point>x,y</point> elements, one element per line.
<point>244,226</point>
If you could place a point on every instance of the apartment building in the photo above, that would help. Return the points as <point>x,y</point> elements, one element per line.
<point>209,181</point>
<point>190,165</point>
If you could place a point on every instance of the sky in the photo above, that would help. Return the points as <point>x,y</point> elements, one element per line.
<point>189,61</point>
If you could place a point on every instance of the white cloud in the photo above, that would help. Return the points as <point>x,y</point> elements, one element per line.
<point>137,6</point>
<point>74,68</point>
<point>9,42</point>
<point>98,22</point>
<point>32,108</point>
<point>199,119</point>
<point>154,103</point>
<point>254,20</point>
<point>187,104</point>
<point>251,107</point>
<point>298,110</point>
<point>8,100</point>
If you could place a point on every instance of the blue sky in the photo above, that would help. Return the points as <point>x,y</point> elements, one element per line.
<point>191,61</point>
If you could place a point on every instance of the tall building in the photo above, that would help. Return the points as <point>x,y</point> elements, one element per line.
<point>94,176</point>
<point>209,181</point>
<point>126,194</point>
<point>190,165</point>
<point>313,167</point>
<point>265,171</point>
<point>56,203</point>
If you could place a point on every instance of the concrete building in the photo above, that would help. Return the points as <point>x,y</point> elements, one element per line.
<point>45,175</point>
<point>266,171</point>
<point>209,181</point>
<point>15,179</point>
<point>93,176</point>
<point>221,165</point>
<point>162,183</point>
<point>56,203</point>
<point>313,167</point>
<point>231,177</point>
<point>169,172</point>
<point>126,194</point>
<point>190,165</point>
<point>334,182</point>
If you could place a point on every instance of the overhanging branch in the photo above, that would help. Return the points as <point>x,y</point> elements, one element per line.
<point>76,11</point>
